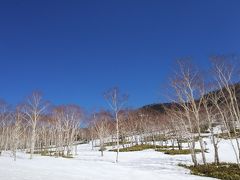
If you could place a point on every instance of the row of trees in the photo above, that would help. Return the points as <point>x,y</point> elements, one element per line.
<point>36,126</point>
<point>198,104</point>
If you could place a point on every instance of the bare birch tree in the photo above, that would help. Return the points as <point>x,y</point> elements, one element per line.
<point>102,122</point>
<point>17,132</point>
<point>116,101</point>
<point>33,109</point>
<point>225,76</point>
<point>187,85</point>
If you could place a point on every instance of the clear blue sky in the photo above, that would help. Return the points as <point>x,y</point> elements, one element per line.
<point>74,50</point>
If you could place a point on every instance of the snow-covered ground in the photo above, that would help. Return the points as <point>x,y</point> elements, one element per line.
<point>89,165</point>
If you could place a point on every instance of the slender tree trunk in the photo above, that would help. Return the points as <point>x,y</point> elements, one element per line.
<point>193,153</point>
<point>92,143</point>
<point>154,142</point>
<point>216,155</point>
<point>117,137</point>
<point>202,149</point>
<point>238,146</point>
<point>33,142</point>
<point>179,144</point>
<point>76,150</point>
<point>173,144</point>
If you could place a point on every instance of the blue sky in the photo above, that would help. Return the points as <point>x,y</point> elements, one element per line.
<point>74,50</point>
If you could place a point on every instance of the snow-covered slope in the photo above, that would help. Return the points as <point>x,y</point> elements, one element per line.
<point>88,165</point>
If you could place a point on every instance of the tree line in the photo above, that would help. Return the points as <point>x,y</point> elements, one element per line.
<point>197,105</point>
<point>36,127</point>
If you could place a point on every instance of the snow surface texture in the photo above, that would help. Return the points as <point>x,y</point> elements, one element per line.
<point>89,165</point>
